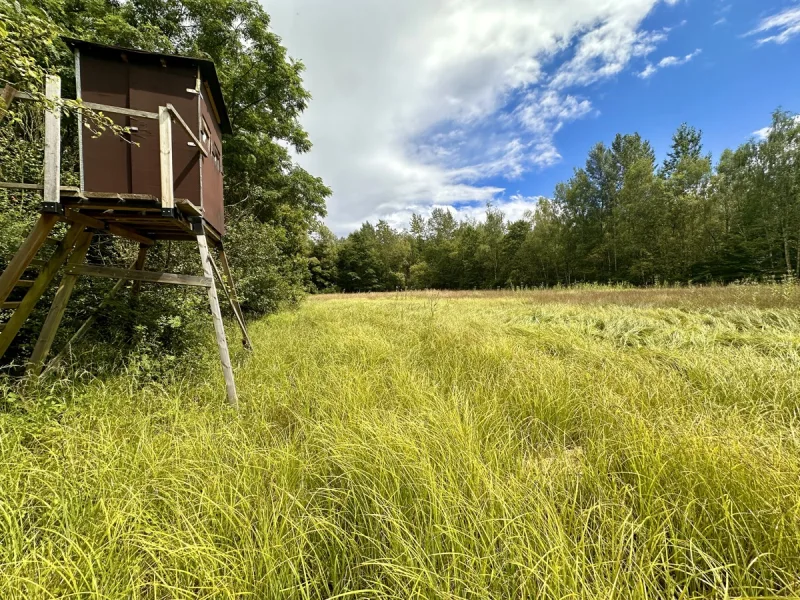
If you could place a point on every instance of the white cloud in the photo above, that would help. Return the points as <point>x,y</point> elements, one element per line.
<point>783,26</point>
<point>763,133</point>
<point>514,208</point>
<point>417,102</point>
<point>667,61</point>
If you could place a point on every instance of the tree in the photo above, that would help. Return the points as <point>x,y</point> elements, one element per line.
<point>323,259</point>
<point>686,143</point>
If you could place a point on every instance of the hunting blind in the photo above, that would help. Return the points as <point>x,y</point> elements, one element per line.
<point>162,180</point>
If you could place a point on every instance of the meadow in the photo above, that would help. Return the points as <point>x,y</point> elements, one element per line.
<point>582,443</point>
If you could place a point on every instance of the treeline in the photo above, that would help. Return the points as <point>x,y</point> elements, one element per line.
<point>623,217</point>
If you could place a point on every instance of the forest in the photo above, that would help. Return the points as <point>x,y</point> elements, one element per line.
<point>622,218</point>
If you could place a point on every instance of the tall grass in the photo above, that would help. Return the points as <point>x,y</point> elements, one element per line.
<point>623,443</point>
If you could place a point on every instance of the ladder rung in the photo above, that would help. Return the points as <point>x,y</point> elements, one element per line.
<point>10,305</point>
<point>24,283</point>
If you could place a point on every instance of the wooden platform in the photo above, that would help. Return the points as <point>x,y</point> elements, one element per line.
<point>137,214</point>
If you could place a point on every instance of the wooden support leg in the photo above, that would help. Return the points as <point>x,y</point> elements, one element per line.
<point>138,266</point>
<point>233,297</point>
<point>78,335</point>
<point>53,320</point>
<point>46,275</point>
<point>25,254</point>
<point>219,329</point>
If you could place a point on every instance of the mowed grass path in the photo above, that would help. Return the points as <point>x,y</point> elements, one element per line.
<point>575,444</point>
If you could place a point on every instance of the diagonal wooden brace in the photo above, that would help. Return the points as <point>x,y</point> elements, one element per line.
<point>22,259</point>
<point>78,335</point>
<point>53,320</point>
<point>46,275</point>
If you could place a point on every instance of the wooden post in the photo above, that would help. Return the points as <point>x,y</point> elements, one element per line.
<point>79,96</point>
<point>78,335</point>
<point>35,240</point>
<point>165,144</point>
<point>46,275</point>
<point>138,265</point>
<point>219,329</point>
<point>53,320</point>
<point>51,200</point>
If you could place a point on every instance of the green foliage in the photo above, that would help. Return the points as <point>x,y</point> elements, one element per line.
<point>589,443</point>
<point>323,259</point>
<point>619,219</point>
<point>265,277</point>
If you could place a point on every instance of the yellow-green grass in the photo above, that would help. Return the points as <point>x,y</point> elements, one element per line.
<point>591,443</point>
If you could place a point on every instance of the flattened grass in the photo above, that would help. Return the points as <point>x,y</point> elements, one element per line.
<point>586,444</point>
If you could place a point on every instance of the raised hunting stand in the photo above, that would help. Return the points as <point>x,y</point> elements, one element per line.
<point>164,183</point>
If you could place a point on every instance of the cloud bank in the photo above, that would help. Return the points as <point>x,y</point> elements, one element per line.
<point>425,103</point>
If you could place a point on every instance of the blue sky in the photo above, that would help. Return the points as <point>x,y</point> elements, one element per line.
<point>729,90</point>
<point>425,103</point>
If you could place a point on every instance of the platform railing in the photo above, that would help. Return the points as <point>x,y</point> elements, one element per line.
<point>51,186</point>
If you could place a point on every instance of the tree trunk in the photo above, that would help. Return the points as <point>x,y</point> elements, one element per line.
<point>797,261</point>
<point>789,268</point>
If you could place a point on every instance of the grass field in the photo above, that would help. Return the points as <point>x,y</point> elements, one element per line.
<point>590,443</point>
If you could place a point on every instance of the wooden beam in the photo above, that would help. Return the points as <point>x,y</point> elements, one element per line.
<point>208,96</point>
<point>118,230</point>
<point>6,98</point>
<point>10,305</point>
<point>21,186</point>
<point>121,207</point>
<point>46,275</point>
<point>24,283</point>
<point>24,256</point>
<point>165,145</point>
<point>212,234</point>
<point>219,328</point>
<point>134,275</point>
<point>12,185</point>
<point>51,196</point>
<point>22,95</point>
<point>175,236</point>
<point>79,98</point>
<point>186,206</point>
<point>234,305</point>
<point>110,196</point>
<point>183,124</point>
<point>53,320</point>
<point>143,114</point>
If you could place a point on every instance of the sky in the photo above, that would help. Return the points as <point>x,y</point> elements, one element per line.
<point>455,103</point>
